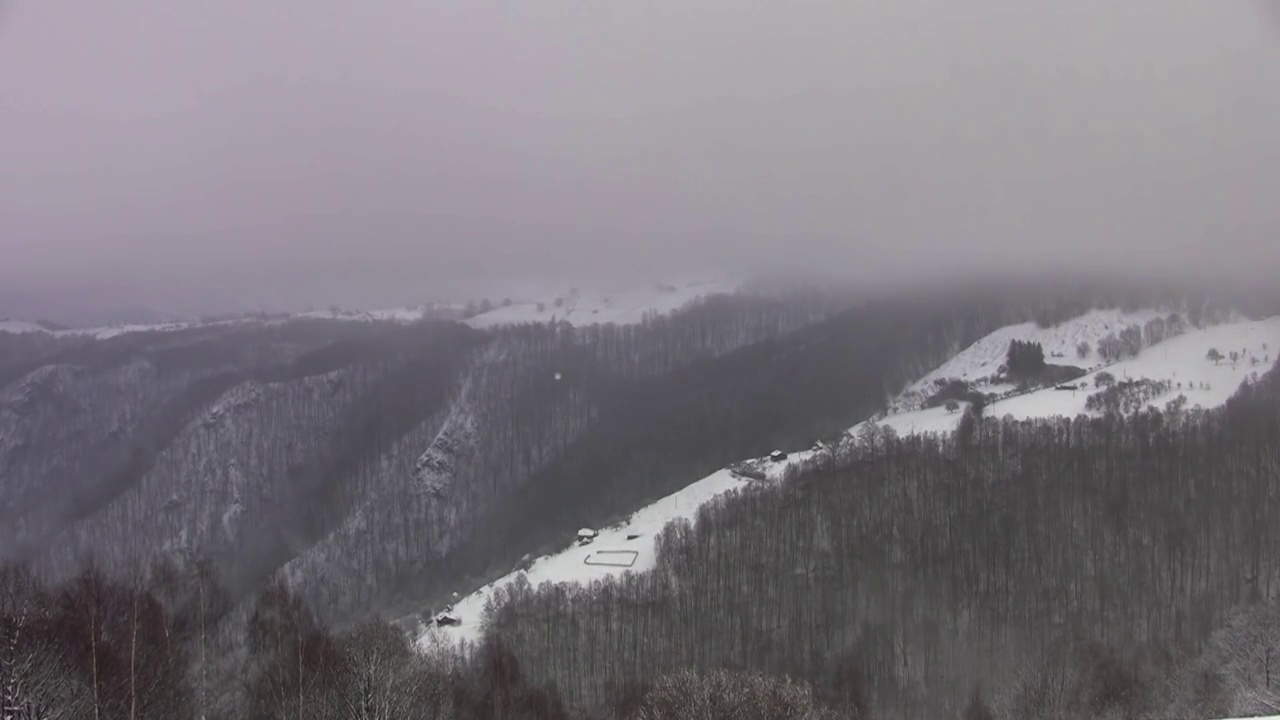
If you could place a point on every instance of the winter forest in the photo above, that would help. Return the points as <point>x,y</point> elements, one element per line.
<point>253,520</point>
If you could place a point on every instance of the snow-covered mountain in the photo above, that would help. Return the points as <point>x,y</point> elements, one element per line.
<point>576,307</point>
<point>18,327</point>
<point>592,307</point>
<point>1174,367</point>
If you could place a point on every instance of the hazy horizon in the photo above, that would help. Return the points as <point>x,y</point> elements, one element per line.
<point>192,157</point>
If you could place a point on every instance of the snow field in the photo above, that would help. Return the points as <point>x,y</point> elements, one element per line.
<point>984,357</point>
<point>598,308</point>
<point>570,564</point>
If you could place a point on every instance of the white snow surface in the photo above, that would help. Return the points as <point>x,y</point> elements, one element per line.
<point>396,315</point>
<point>1180,359</point>
<point>984,358</point>
<point>569,565</point>
<point>912,422</point>
<point>595,307</point>
<point>18,327</point>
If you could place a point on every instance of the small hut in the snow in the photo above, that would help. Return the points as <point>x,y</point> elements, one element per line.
<point>777,456</point>
<point>586,536</point>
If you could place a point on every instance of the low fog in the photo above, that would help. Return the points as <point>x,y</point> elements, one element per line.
<point>200,156</point>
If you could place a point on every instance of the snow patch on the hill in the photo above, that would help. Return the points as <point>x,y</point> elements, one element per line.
<point>20,327</point>
<point>592,307</point>
<point>570,565</point>
<point>916,422</point>
<point>401,315</point>
<point>1181,362</point>
<point>585,307</point>
<point>1061,343</point>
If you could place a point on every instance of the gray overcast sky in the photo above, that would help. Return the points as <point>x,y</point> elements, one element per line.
<point>299,151</point>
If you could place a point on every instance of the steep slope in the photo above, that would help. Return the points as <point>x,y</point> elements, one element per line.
<point>369,460</point>
<point>924,565</point>
<point>207,449</point>
<point>625,547</point>
<point>1180,362</point>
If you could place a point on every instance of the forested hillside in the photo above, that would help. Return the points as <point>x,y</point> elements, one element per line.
<point>228,506</point>
<point>1049,569</point>
<point>254,444</point>
<point>384,466</point>
<point>908,569</point>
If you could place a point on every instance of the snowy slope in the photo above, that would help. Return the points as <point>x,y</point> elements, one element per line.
<point>577,308</point>
<point>602,307</point>
<point>983,358</point>
<point>571,564</point>
<point>444,311</point>
<point>1178,360</point>
<point>18,327</point>
<point>917,422</point>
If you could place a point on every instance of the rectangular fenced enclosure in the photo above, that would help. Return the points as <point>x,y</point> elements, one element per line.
<point>612,558</point>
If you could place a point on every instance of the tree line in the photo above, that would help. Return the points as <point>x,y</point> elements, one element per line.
<point>168,645</point>
<point>926,565</point>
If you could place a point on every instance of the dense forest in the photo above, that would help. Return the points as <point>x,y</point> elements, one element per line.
<point>1114,567</point>
<point>1010,553</point>
<point>382,467</point>
<point>212,517</point>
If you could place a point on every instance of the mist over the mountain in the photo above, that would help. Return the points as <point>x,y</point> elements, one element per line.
<point>486,360</point>
<point>192,157</point>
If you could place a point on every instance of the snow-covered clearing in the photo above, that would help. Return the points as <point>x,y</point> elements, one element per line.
<point>570,564</point>
<point>602,307</point>
<point>1060,342</point>
<point>1181,361</point>
<point>913,422</point>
